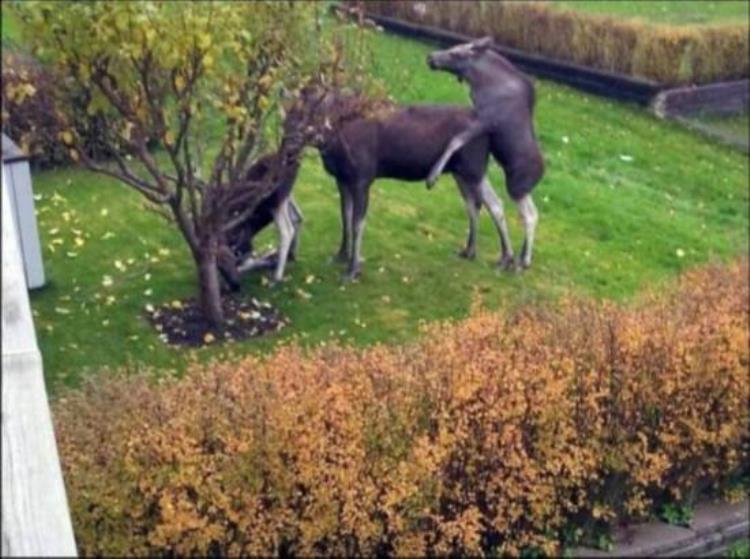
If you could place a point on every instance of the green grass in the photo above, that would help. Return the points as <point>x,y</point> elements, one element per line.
<point>736,126</point>
<point>739,550</point>
<point>674,12</point>
<point>627,203</point>
<point>9,24</point>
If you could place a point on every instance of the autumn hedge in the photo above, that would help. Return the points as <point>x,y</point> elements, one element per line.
<point>663,53</point>
<point>496,434</point>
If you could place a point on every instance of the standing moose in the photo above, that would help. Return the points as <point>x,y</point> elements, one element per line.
<point>503,101</point>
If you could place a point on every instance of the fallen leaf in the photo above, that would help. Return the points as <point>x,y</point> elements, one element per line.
<point>107,281</point>
<point>304,294</point>
<point>310,279</point>
<point>208,338</point>
<point>680,253</point>
<point>104,212</point>
<point>61,310</point>
<point>176,304</point>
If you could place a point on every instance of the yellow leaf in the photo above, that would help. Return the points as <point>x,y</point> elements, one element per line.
<point>176,304</point>
<point>265,81</point>
<point>74,155</point>
<point>67,137</point>
<point>208,338</point>
<point>204,40</point>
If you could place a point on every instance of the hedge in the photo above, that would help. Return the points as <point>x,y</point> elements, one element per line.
<point>662,53</point>
<point>502,433</point>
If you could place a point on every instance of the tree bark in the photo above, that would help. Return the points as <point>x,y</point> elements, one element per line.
<point>208,281</point>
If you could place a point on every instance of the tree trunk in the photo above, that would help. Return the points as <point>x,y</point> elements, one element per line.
<point>208,280</point>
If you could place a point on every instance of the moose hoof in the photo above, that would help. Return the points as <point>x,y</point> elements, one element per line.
<point>352,274</point>
<point>338,258</point>
<point>521,266</point>
<point>467,254</point>
<point>506,263</point>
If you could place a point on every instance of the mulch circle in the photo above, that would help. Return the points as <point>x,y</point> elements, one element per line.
<point>181,323</point>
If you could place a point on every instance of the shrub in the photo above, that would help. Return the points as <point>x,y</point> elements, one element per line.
<point>28,116</point>
<point>491,435</point>
<point>659,52</point>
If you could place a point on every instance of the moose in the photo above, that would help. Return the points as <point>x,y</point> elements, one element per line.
<point>421,142</point>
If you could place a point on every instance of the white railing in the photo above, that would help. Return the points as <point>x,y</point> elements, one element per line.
<point>35,516</point>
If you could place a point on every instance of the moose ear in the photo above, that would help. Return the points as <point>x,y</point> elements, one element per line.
<point>482,44</point>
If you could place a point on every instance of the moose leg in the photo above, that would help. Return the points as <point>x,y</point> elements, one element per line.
<point>359,211</point>
<point>494,205</point>
<point>228,269</point>
<point>286,235</point>
<point>529,218</point>
<point>347,209</point>
<point>473,206</point>
<point>296,217</point>
<point>456,143</point>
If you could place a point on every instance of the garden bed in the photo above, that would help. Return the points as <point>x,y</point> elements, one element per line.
<point>184,323</point>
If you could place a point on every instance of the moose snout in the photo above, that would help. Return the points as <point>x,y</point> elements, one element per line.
<point>431,62</point>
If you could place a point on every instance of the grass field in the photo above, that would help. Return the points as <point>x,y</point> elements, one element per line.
<point>675,12</point>
<point>737,126</point>
<point>627,202</point>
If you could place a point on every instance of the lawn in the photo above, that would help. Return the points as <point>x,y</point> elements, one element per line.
<point>627,203</point>
<point>666,11</point>
<point>734,126</point>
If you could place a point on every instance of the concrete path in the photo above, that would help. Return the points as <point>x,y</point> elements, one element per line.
<point>714,528</point>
